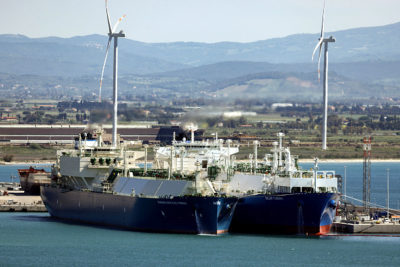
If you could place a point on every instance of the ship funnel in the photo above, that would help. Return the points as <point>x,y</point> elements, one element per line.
<point>192,127</point>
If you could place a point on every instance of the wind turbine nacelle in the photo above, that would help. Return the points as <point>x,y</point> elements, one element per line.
<point>119,34</point>
<point>330,39</point>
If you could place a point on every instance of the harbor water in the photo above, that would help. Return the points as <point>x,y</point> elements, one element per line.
<point>35,239</point>
<point>354,180</point>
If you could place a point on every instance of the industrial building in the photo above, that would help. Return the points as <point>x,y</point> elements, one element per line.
<point>66,134</point>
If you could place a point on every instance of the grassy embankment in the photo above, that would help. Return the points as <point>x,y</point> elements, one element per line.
<point>28,153</point>
<point>307,144</point>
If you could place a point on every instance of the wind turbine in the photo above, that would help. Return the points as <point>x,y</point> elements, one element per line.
<point>324,41</point>
<point>112,34</point>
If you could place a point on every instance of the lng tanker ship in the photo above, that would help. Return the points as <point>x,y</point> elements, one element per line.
<point>100,184</point>
<point>282,198</point>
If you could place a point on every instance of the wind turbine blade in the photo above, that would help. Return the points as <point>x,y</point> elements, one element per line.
<point>104,65</point>
<point>323,20</point>
<point>118,21</point>
<point>319,44</point>
<point>108,18</point>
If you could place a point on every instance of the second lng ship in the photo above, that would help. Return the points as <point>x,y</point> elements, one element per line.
<point>281,198</point>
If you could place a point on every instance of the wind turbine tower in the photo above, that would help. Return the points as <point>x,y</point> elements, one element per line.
<point>324,42</point>
<point>113,34</point>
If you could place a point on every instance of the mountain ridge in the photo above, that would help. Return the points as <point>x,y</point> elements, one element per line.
<point>353,45</point>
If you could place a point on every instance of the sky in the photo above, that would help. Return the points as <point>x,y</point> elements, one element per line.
<point>207,21</point>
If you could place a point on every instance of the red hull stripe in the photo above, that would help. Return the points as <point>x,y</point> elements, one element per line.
<point>324,229</point>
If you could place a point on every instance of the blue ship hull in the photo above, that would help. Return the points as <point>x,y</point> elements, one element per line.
<point>182,214</point>
<point>297,213</point>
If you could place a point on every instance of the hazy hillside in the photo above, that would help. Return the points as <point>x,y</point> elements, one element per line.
<point>274,86</point>
<point>84,54</point>
<point>364,63</point>
<point>368,71</point>
<point>280,86</point>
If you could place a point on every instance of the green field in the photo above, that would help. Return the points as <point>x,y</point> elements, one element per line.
<point>28,153</point>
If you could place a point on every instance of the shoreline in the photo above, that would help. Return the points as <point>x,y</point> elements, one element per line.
<point>46,162</point>
<point>348,160</point>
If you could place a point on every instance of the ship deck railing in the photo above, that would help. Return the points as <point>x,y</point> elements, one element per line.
<point>313,174</point>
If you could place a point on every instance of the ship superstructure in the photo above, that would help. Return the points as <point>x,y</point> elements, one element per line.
<point>279,172</point>
<point>210,159</point>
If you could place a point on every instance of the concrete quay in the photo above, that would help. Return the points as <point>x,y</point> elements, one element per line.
<point>21,203</point>
<point>366,227</point>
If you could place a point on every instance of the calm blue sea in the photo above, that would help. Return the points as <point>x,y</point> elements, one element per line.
<point>34,239</point>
